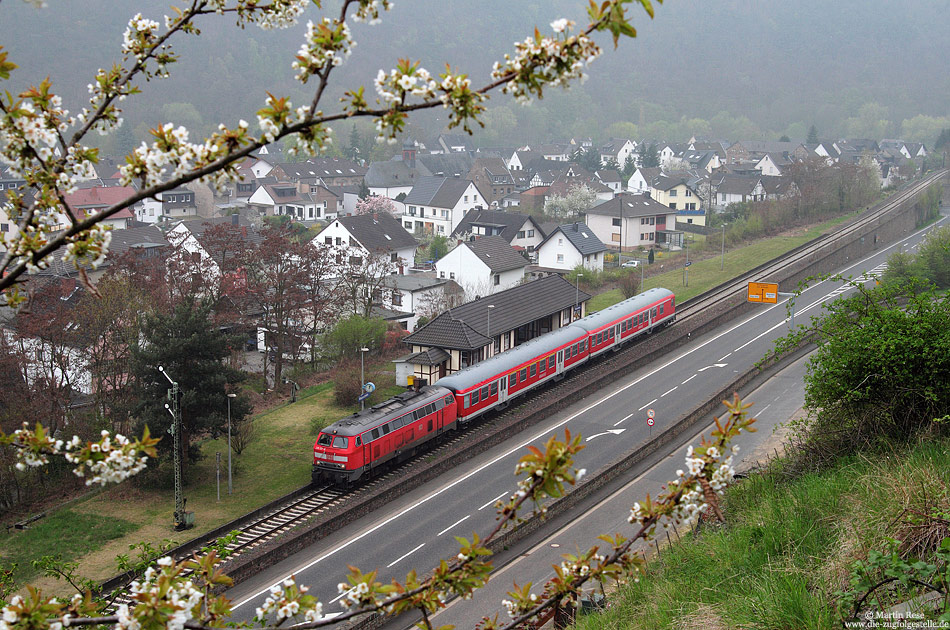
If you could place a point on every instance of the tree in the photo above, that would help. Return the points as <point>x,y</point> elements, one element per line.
<point>629,167</point>
<point>363,277</point>
<point>321,302</point>
<point>353,333</point>
<point>879,369</point>
<point>578,200</point>
<point>588,158</point>
<point>785,138</point>
<point>650,156</point>
<point>43,144</point>
<point>376,204</point>
<point>277,283</point>
<point>191,349</point>
<point>812,135</point>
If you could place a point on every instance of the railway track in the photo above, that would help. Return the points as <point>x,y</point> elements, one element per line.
<point>314,501</point>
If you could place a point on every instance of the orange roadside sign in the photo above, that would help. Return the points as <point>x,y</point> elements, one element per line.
<point>763,292</point>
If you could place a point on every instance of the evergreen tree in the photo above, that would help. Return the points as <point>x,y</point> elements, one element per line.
<point>812,135</point>
<point>784,138</point>
<point>191,349</point>
<point>650,157</point>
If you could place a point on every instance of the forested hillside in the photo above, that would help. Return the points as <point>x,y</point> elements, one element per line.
<point>721,68</point>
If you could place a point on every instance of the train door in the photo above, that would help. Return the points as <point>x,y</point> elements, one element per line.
<point>503,389</point>
<point>560,361</point>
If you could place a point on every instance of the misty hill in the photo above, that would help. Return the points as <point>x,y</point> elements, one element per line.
<point>723,68</point>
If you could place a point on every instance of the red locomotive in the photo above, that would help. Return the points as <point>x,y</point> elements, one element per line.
<point>396,428</point>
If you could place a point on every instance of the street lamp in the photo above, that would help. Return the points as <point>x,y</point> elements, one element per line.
<point>230,396</point>
<point>363,352</point>
<point>577,284</point>
<point>490,342</point>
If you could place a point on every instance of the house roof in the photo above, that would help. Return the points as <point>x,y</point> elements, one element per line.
<point>455,140</point>
<point>496,253</point>
<point>432,356</point>
<point>378,232</point>
<point>99,197</point>
<point>389,174</point>
<point>737,184</point>
<point>630,205</point>
<point>323,167</point>
<point>462,327</point>
<point>441,192</point>
<point>580,236</point>
<point>444,164</point>
<point>507,223</point>
<point>416,282</point>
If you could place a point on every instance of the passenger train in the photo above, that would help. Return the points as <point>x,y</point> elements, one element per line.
<point>396,428</point>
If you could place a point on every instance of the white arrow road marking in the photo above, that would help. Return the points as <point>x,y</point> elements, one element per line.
<point>614,431</point>
<point>709,367</point>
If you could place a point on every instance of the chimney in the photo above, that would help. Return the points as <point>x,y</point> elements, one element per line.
<point>235,219</point>
<point>576,228</point>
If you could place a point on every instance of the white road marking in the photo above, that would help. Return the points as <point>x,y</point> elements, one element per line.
<point>607,432</point>
<point>543,433</point>
<point>762,410</point>
<point>461,520</point>
<point>627,418</point>
<point>689,379</point>
<point>670,391</point>
<point>647,405</point>
<point>390,565</point>
<point>725,357</point>
<point>492,502</point>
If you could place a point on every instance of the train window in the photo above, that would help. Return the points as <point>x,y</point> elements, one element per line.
<point>583,345</point>
<point>475,397</point>
<point>494,388</point>
<point>339,442</point>
<point>430,408</point>
<point>575,350</point>
<point>623,326</point>
<point>661,309</point>
<point>512,380</point>
<point>325,439</point>
<point>599,338</point>
<point>534,370</point>
<point>671,302</point>
<point>523,376</point>
<point>376,433</point>
<point>542,365</point>
<point>386,429</point>
<point>429,426</point>
<point>447,400</point>
<point>398,422</point>
<point>359,440</point>
<point>466,402</point>
<point>551,362</point>
<point>653,312</point>
<point>485,393</point>
<point>611,333</point>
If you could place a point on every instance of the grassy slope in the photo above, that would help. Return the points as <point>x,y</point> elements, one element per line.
<point>786,548</point>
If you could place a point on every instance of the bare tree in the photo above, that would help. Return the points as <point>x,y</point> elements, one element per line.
<point>363,277</point>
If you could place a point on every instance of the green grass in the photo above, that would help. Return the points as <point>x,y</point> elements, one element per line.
<point>65,533</point>
<point>786,547</point>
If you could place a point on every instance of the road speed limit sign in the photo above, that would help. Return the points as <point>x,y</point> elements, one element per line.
<point>650,421</point>
<point>651,414</point>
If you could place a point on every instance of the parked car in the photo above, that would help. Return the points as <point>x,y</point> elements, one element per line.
<point>631,263</point>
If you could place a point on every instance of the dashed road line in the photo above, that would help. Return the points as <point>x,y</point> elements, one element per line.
<point>689,379</point>
<point>403,557</point>
<point>492,502</point>
<point>461,520</point>
<point>647,405</point>
<point>669,392</point>
<point>621,420</point>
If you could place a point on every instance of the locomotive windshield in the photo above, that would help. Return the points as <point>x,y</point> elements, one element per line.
<point>326,439</point>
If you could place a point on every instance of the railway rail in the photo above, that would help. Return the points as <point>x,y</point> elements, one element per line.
<point>310,502</point>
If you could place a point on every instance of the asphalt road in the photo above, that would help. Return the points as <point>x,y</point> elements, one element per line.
<point>417,530</point>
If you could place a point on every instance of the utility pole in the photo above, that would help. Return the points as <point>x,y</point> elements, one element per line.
<point>183,519</point>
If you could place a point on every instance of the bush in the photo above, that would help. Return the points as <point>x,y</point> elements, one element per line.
<point>346,381</point>
<point>353,333</point>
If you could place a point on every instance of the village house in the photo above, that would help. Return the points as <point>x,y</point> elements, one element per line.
<point>436,205</point>
<point>519,230</point>
<point>363,235</point>
<point>570,246</point>
<point>484,266</point>
<point>631,221</point>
